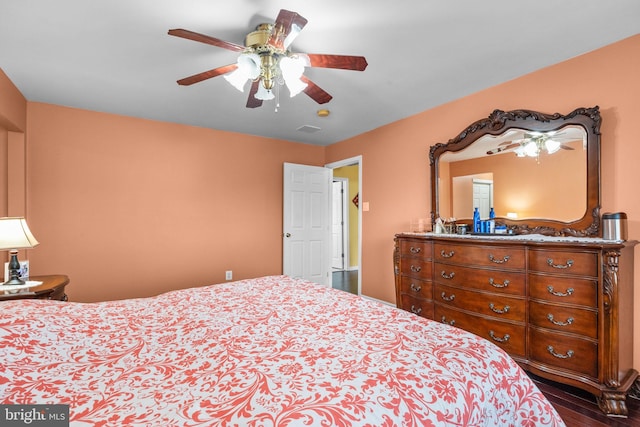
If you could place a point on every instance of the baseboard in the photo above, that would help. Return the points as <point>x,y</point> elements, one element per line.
<point>378,301</point>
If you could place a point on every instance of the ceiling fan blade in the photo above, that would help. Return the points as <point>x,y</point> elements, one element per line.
<point>504,148</point>
<point>344,62</point>
<point>186,34</point>
<point>566,147</point>
<point>196,78</point>
<point>286,28</point>
<point>315,92</point>
<point>502,144</point>
<point>252,101</point>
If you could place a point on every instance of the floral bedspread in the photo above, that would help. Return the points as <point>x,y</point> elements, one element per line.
<point>272,351</point>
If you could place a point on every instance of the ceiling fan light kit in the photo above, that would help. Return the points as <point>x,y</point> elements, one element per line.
<point>533,145</point>
<point>267,62</point>
<point>536,145</point>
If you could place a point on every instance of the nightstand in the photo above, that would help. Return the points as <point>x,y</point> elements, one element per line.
<point>52,288</point>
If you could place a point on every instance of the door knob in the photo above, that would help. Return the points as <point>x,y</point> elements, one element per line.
<point>287,235</point>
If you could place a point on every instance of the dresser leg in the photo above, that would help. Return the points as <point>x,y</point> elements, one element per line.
<point>613,404</point>
<point>635,390</point>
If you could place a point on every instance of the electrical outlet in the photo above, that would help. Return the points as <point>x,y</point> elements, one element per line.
<point>228,275</point>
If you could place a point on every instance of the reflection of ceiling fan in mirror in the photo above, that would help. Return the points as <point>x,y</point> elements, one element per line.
<point>535,143</point>
<point>267,62</point>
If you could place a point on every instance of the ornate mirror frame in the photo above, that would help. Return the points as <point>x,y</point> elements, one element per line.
<point>500,121</point>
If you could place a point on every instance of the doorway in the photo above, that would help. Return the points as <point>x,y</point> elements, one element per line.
<point>483,196</point>
<point>340,224</point>
<point>349,278</point>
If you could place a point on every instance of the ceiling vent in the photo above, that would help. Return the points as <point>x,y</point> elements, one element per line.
<point>308,129</point>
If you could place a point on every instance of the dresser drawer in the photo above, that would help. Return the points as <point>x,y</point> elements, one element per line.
<point>505,282</point>
<point>561,262</point>
<point>416,267</point>
<point>564,290</point>
<point>511,258</point>
<point>494,305</point>
<point>417,248</point>
<point>417,306</point>
<point>508,336</point>
<point>415,287</point>
<point>576,321</point>
<point>564,352</point>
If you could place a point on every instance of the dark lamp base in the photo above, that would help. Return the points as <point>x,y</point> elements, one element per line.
<point>14,270</point>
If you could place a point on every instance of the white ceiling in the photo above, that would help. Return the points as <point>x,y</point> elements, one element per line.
<point>115,56</point>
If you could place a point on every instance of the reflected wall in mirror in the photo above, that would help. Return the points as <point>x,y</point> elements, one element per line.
<point>540,172</point>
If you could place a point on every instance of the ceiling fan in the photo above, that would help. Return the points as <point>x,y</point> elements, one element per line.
<point>267,62</point>
<point>533,144</point>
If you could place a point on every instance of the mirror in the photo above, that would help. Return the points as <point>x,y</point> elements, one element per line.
<point>540,172</point>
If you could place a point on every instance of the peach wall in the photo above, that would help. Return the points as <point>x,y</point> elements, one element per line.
<point>129,207</point>
<point>543,197</point>
<point>13,106</point>
<point>13,114</point>
<point>396,156</point>
<point>4,190</point>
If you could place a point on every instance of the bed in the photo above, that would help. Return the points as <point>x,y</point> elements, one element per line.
<point>271,351</point>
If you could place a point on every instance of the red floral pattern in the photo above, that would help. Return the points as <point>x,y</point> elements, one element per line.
<point>273,351</point>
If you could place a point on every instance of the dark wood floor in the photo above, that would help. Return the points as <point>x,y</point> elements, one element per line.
<point>346,281</point>
<point>576,407</point>
<point>579,408</point>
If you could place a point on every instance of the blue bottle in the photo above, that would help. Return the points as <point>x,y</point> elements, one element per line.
<point>476,220</point>
<point>492,221</point>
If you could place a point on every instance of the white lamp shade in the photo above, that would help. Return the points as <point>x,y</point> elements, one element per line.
<point>531,149</point>
<point>264,94</point>
<point>237,79</point>
<point>15,234</point>
<point>249,65</point>
<point>295,86</point>
<point>292,67</point>
<point>552,146</point>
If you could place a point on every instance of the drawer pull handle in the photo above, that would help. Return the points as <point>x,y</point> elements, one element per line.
<point>415,288</point>
<point>498,285</point>
<point>415,310</point>
<point>558,323</point>
<point>560,294</point>
<point>498,339</point>
<point>446,298</point>
<point>416,269</point>
<point>415,250</point>
<point>447,254</point>
<point>558,355</point>
<point>497,310</point>
<point>451,322</point>
<point>499,261</point>
<point>447,276</point>
<point>568,264</point>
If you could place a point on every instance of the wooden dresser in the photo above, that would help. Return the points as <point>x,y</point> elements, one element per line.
<point>561,307</point>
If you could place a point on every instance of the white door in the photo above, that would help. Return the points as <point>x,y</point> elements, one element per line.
<point>306,230</point>
<point>483,196</point>
<point>339,223</point>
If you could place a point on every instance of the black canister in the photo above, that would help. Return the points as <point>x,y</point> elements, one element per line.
<point>614,226</point>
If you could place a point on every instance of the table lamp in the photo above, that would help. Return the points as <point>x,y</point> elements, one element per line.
<point>14,235</point>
